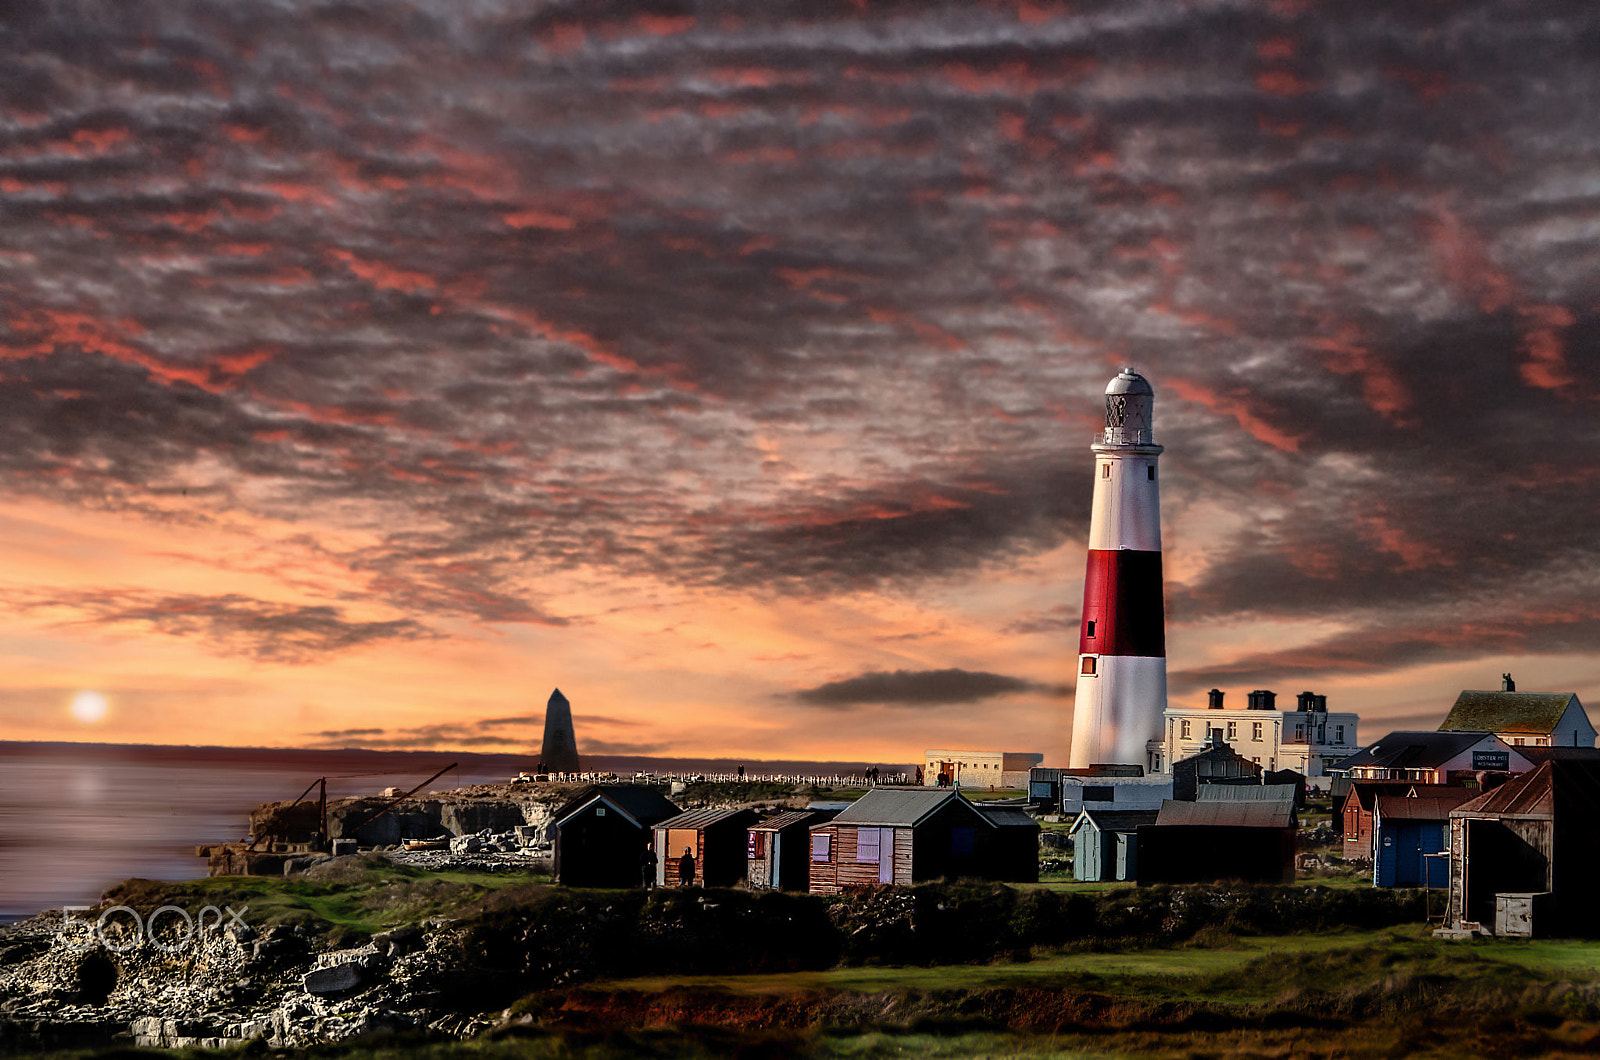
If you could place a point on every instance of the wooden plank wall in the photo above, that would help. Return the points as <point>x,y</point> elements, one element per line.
<point>843,870</point>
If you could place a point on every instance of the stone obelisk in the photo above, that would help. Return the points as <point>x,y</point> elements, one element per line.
<point>560,751</point>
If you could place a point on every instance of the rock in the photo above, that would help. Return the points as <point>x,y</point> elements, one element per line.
<point>334,980</point>
<point>465,844</point>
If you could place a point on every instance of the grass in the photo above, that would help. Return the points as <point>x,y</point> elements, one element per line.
<point>369,898</point>
<point>1164,972</point>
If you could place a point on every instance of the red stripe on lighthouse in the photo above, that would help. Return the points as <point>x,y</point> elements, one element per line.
<point>1123,611</point>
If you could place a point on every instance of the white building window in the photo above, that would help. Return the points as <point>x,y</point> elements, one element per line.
<point>1183,730</point>
<point>1338,734</point>
<point>1233,730</point>
<point>1255,732</point>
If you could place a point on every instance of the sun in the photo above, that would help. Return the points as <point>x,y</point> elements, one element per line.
<point>89,707</point>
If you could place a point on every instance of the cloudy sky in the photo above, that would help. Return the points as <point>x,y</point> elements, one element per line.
<point>367,370</point>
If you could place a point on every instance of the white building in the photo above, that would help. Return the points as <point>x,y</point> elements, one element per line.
<point>1433,757</point>
<point>978,769</point>
<point>1308,739</point>
<point>1523,719</point>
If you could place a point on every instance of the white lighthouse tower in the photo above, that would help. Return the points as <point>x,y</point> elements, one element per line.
<point>1122,645</point>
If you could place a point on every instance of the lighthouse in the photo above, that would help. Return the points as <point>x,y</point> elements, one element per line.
<point>1122,643</point>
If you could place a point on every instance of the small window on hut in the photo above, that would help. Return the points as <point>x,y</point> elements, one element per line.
<point>962,841</point>
<point>756,845</point>
<point>821,847</point>
<point>867,845</point>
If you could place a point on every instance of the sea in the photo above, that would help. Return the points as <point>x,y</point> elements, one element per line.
<point>76,818</point>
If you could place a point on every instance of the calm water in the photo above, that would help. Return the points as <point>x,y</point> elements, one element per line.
<point>73,821</point>
<point>76,818</point>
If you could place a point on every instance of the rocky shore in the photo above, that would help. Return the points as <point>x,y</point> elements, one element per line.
<point>224,984</point>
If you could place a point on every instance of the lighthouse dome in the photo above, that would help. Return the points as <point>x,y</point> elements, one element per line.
<point>1129,382</point>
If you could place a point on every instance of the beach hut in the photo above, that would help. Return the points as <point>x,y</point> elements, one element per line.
<point>602,831</point>
<point>716,838</point>
<point>906,835</point>
<point>1406,829</point>
<point>778,850</point>
<point>1105,844</point>
<point>1199,842</point>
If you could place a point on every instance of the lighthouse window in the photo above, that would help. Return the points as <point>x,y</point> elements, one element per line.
<point>1105,470</point>
<point>1089,629</point>
<point>1088,665</point>
<point>1150,472</point>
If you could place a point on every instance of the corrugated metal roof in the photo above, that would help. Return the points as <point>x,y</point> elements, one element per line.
<point>1413,750</point>
<point>1423,808</point>
<point>1227,814</point>
<point>1561,787</point>
<point>1114,820</point>
<point>897,806</point>
<point>787,820</point>
<point>1546,754</point>
<point>701,818</point>
<point>1532,712</point>
<point>645,805</point>
<point>1008,816</point>
<point>1245,792</point>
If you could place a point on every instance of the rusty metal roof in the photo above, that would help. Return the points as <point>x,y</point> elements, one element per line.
<point>1557,788</point>
<point>701,819</point>
<point>1530,712</point>
<point>1424,807</point>
<point>1227,814</point>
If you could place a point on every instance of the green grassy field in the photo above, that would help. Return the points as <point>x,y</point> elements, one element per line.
<point>375,897</point>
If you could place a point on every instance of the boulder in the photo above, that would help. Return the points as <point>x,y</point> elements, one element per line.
<point>335,979</point>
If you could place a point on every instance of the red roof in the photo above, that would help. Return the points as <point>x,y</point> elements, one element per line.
<point>1564,786</point>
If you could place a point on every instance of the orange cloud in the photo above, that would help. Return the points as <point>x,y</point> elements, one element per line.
<point>1234,405</point>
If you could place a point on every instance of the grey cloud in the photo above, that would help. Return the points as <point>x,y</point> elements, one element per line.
<point>264,630</point>
<point>536,291</point>
<point>913,688</point>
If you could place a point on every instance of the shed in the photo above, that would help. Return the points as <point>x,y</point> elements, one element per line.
<point>1248,793</point>
<point>1406,829</point>
<point>1105,844</point>
<point>1110,792</point>
<point>601,832</point>
<point>1535,834</point>
<point>778,850</point>
<point>716,838</point>
<point>902,836</point>
<point>1199,842</point>
<point>1356,811</point>
<point>1217,762</point>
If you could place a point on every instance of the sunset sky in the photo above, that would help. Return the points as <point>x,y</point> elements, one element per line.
<point>367,370</point>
